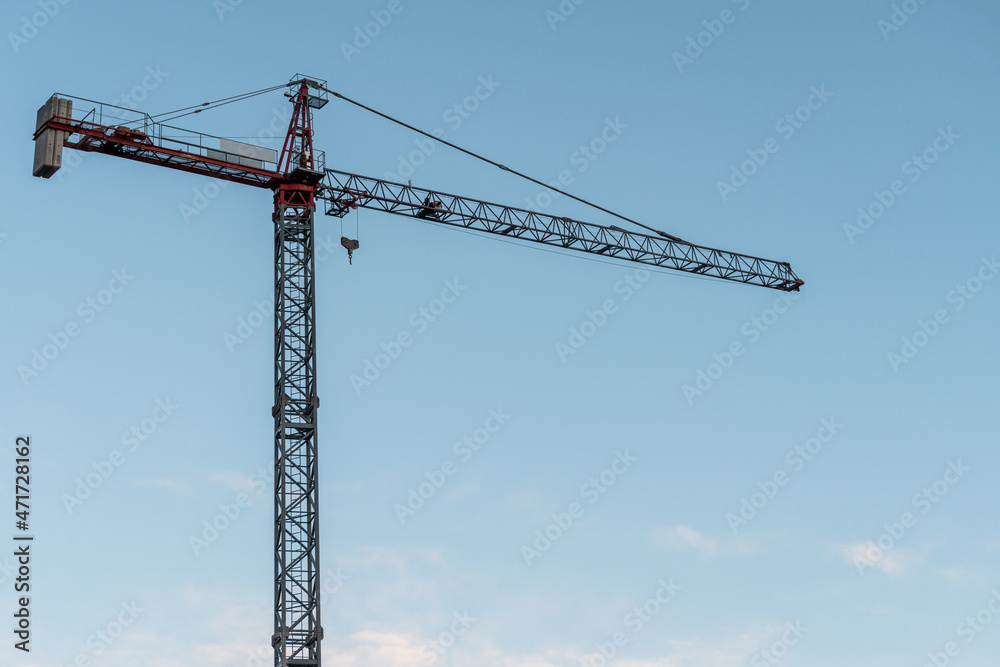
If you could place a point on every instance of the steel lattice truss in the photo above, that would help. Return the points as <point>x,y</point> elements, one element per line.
<point>344,191</point>
<point>296,505</point>
<point>152,147</point>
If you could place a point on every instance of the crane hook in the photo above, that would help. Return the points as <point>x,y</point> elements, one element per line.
<point>351,245</point>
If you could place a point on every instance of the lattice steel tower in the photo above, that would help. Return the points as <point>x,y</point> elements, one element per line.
<point>297,627</point>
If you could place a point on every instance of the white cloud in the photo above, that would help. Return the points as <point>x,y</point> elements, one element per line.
<point>402,650</point>
<point>726,650</point>
<point>865,556</point>
<point>385,649</point>
<point>219,628</point>
<point>236,482</point>
<point>961,577</point>
<point>681,537</point>
<point>685,537</point>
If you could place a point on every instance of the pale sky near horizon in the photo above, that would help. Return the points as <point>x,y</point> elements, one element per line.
<point>575,463</point>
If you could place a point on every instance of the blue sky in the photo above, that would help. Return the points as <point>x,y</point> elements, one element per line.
<point>734,546</point>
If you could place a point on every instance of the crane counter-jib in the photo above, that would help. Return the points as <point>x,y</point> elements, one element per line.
<point>98,127</point>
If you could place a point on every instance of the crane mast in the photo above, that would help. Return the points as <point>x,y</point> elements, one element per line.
<point>298,178</point>
<point>297,628</point>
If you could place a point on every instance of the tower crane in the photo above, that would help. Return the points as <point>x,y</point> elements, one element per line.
<point>298,177</point>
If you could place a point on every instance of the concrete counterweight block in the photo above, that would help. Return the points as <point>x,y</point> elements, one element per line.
<point>49,143</point>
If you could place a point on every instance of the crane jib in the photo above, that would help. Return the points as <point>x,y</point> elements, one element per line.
<point>344,191</point>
